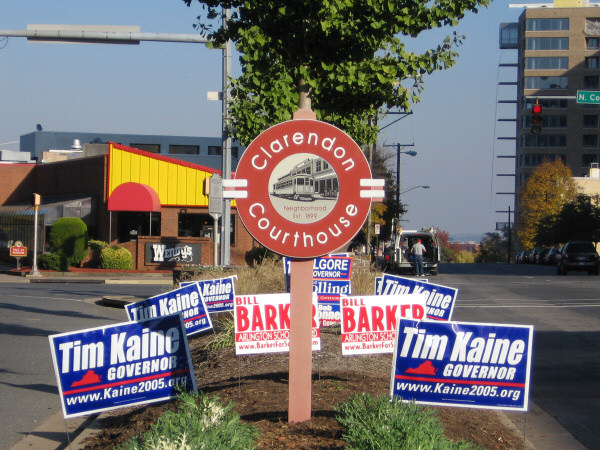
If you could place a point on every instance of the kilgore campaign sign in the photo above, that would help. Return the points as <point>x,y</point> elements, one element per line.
<point>331,279</point>
<point>218,294</point>
<point>186,300</point>
<point>369,322</point>
<point>463,364</point>
<point>121,365</point>
<point>262,324</point>
<point>440,300</point>
<point>309,188</point>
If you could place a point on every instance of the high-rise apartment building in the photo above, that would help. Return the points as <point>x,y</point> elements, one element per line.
<point>558,54</point>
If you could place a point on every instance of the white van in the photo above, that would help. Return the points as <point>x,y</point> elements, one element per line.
<point>399,259</point>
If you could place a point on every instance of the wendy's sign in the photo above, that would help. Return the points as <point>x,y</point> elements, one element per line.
<point>308,188</point>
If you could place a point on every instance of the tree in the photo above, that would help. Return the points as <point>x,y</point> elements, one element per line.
<point>549,187</point>
<point>346,59</point>
<point>578,219</point>
<point>492,249</point>
<point>449,251</point>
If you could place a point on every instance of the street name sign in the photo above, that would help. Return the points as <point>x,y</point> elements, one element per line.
<point>588,97</point>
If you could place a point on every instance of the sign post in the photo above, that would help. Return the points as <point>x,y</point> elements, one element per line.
<point>309,191</point>
<point>215,209</point>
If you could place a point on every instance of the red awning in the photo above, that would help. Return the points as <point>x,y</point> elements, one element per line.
<point>134,197</point>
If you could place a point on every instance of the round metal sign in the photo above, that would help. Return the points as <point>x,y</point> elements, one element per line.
<point>303,188</point>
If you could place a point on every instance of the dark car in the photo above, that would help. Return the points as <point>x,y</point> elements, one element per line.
<point>552,256</point>
<point>578,255</point>
<point>525,257</point>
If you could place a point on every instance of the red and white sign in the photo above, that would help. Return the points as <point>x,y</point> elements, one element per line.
<point>18,250</point>
<point>309,188</point>
<point>369,322</point>
<point>262,324</point>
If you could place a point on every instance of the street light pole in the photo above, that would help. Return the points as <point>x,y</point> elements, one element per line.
<point>399,151</point>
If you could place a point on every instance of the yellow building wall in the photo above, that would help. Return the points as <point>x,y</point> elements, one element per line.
<point>176,182</point>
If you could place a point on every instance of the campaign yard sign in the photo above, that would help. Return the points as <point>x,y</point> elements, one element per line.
<point>121,365</point>
<point>463,364</point>
<point>262,324</point>
<point>186,300</point>
<point>439,299</point>
<point>369,322</point>
<point>218,294</point>
<point>331,279</point>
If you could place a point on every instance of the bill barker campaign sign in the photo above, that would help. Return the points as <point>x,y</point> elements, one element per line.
<point>262,324</point>
<point>439,300</point>
<point>121,365</point>
<point>463,364</point>
<point>369,322</point>
<point>186,300</point>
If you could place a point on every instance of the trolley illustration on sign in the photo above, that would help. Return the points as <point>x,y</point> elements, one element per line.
<point>309,180</point>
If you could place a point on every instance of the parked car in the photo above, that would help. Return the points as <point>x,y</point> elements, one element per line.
<point>580,256</point>
<point>524,257</point>
<point>551,257</point>
<point>537,255</point>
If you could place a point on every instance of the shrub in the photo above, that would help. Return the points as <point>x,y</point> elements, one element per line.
<point>116,258</point>
<point>68,238</point>
<point>201,423</point>
<point>380,423</point>
<point>52,261</point>
<point>95,244</point>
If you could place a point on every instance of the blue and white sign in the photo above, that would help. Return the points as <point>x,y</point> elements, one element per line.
<point>463,364</point>
<point>331,279</point>
<point>186,300</point>
<point>439,299</point>
<point>218,294</point>
<point>121,365</point>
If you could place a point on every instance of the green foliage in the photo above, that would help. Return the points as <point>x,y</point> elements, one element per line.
<point>492,249</point>
<point>52,261</point>
<point>68,238</point>
<point>116,258</point>
<point>224,327</point>
<point>258,254</point>
<point>347,57</point>
<point>577,220</point>
<point>380,423</point>
<point>201,422</point>
<point>95,244</point>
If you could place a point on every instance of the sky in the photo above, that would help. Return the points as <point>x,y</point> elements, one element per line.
<point>161,88</point>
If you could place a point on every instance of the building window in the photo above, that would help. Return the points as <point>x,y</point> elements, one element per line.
<point>547,121</point>
<point>217,150</point>
<point>152,148</point>
<point>592,26</point>
<point>592,43</point>
<point>543,140</point>
<point>590,140</point>
<point>587,160</point>
<point>509,35</point>
<point>536,159</point>
<point>134,224</point>
<point>592,62</point>
<point>558,103</point>
<point>554,24</point>
<point>547,43</point>
<point>590,121</point>
<point>549,62</point>
<point>184,149</point>
<point>591,82</point>
<point>546,82</point>
<point>195,225</point>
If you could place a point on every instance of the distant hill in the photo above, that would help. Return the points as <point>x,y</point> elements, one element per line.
<point>466,237</point>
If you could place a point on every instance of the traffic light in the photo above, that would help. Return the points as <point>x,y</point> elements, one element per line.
<point>536,118</point>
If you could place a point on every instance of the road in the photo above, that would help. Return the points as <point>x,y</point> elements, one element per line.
<point>28,314</point>
<point>565,312</point>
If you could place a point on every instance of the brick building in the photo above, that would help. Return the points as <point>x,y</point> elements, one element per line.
<point>153,205</point>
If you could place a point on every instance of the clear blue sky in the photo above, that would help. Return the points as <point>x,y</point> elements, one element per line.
<point>160,88</point>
